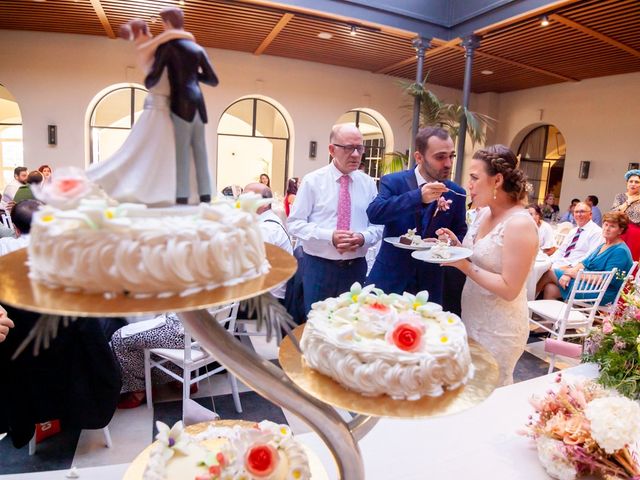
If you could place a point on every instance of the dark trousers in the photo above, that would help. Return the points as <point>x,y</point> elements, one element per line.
<point>323,278</point>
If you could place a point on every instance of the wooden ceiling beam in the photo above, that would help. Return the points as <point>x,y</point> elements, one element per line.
<point>594,34</point>
<point>497,58</point>
<point>410,60</point>
<point>286,18</point>
<point>97,7</point>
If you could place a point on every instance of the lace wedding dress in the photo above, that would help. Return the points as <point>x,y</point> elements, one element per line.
<point>501,326</point>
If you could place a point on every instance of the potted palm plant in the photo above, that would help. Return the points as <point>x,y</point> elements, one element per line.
<point>434,111</point>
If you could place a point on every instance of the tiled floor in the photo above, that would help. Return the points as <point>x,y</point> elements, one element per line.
<point>132,430</point>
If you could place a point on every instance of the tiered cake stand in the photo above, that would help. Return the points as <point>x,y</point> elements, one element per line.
<point>305,393</point>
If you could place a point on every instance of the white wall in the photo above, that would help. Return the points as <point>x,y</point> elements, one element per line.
<point>600,121</point>
<point>55,76</point>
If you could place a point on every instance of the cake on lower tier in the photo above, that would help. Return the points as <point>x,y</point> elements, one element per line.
<point>400,345</point>
<point>264,451</point>
<point>129,248</point>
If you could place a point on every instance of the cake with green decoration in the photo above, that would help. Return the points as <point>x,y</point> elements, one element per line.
<point>83,241</point>
<point>402,346</point>
<point>240,451</point>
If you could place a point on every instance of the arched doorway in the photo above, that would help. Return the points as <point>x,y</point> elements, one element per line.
<point>542,154</point>
<point>112,114</point>
<point>10,136</point>
<point>375,132</point>
<point>253,138</point>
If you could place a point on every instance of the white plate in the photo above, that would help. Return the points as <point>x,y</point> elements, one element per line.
<point>457,253</point>
<point>395,241</point>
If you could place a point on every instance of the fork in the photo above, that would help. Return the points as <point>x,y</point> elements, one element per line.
<point>459,194</point>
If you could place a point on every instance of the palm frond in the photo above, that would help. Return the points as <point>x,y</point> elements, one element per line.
<point>434,111</point>
<point>395,162</point>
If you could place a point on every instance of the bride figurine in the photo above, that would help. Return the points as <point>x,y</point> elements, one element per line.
<point>504,240</point>
<point>143,169</point>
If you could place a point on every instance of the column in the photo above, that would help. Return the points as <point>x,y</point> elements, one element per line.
<point>470,43</point>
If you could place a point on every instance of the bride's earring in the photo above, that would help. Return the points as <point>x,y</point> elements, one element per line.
<point>495,191</point>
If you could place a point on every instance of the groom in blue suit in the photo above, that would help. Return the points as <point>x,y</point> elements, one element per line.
<point>410,199</point>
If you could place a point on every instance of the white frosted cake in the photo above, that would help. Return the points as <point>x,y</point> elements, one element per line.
<point>264,451</point>
<point>86,242</point>
<point>400,345</point>
<point>441,250</point>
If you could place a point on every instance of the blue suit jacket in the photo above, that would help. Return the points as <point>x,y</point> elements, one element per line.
<point>399,207</point>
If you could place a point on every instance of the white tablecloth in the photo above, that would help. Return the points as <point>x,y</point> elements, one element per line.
<point>478,444</point>
<point>541,265</point>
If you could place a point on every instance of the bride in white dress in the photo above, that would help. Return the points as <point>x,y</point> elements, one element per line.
<point>504,240</point>
<point>143,169</point>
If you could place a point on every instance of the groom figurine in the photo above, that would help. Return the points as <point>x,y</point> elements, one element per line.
<point>420,198</point>
<point>187,64</point>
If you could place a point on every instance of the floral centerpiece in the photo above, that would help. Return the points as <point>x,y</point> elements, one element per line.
<point>615,346</point>
<point>581,428</point>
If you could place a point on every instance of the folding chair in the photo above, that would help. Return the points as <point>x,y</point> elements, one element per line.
<point>578,313</point>
<point>191,359</point>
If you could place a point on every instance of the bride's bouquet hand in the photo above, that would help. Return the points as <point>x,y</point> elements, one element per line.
<point>446,235</point>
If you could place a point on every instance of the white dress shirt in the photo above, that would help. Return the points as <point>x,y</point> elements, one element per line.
<point>546,236</point>
<point>275,234</point>
<point>420,180</point>
<point>590,238</point>
<point>9,192</point>
<point>10,244</point>
<point>314,215</point>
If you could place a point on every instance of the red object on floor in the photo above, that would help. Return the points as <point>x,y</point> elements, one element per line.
<point>132,400</point>
<point>47,429</point>
<point>176,385</point>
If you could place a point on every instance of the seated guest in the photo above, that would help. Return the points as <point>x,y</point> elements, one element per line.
<point>580,241</point>
<point>596,214</point>
<point>545,233</point>
<point>25,191</point>
<point>19,178</point>
<point>21,216</point>
<point>128,345</point>
<point>75,379</point>
<point>45,170</point>
<point>613,253</point>
<point>549,208</point>
<point>568,215</point>
<point>273,231</point>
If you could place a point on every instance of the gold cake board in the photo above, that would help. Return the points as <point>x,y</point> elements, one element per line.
<point>331,392</point>
<point>136,469</point>
<point>17,290</point>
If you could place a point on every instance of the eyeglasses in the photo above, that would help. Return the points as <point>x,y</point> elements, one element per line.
<point>581,211</point>
<point>349,149</point>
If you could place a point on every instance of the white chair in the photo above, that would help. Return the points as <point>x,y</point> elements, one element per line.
<point>5,218</point>
<point>577,314</point>
<point>105,432</point>
<point>190,359</point>
<point>605,310</point>
<point>561,231</point>
<point>560,347</point>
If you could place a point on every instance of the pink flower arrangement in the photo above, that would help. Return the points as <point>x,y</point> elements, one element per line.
<point>582,429</point>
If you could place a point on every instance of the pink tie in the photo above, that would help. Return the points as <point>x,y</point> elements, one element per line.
<point>344,204</point>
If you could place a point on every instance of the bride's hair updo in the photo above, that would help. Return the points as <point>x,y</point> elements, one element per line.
<point>500,159</point>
